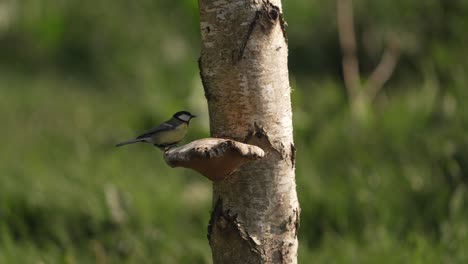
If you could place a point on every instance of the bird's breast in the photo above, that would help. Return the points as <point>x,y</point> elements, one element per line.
<point>172,136</point>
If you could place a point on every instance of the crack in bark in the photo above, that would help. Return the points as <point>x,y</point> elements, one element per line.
<point>226,222</point>
<point>208,95</point>
<point>292,222</point>
<point>259,133</point>
<point>285,247</point>
<point>283,25</point>
<point>216,211</point>
<point>284,252</point>
<point>293,155</point>
<point>272,13</point>
<point>297,222</point>
<point>247,37</point>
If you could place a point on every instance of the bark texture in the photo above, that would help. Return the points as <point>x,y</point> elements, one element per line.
<point>243,67</point>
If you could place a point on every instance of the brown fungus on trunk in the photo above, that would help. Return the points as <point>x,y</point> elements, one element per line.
<point>214,158</point>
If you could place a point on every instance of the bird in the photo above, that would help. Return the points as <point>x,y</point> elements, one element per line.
<point>167,134</point>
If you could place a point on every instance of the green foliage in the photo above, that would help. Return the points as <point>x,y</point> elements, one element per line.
<point>78,76</point>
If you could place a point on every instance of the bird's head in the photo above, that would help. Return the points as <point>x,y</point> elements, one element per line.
<point>184,116</point>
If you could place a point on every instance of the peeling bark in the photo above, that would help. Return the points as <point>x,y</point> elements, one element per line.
<point>243,66</point>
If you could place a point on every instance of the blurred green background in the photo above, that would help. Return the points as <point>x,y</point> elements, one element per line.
<point>77,76</point>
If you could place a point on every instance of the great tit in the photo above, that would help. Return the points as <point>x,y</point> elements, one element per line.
<point>166,134</point>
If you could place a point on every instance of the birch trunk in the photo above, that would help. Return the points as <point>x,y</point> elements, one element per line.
<point>243,66</point>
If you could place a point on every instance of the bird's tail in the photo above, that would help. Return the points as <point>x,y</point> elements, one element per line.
<point>130,142</point>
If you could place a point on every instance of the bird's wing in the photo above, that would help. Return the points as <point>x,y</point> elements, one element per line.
<point>168,125</point>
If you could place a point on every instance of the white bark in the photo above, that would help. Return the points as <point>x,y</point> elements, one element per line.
<point>243,66</point>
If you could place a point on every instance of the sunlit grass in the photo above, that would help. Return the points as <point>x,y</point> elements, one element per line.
<point>68,195</point>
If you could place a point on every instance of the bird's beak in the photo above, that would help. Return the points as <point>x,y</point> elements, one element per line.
<point>193,116</point>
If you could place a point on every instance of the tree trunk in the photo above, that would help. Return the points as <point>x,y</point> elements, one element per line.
<point>243,66</point>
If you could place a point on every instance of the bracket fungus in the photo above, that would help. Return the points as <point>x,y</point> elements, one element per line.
<point>214,158</point>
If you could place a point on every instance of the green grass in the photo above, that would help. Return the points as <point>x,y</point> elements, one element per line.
<point>77,77</point>
<point>374,192</point>
<point>67,195</point>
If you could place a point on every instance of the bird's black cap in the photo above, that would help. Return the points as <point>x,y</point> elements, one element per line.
<point>184,113</point>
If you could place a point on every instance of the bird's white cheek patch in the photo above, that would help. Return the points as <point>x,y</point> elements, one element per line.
<point>185,117</point>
